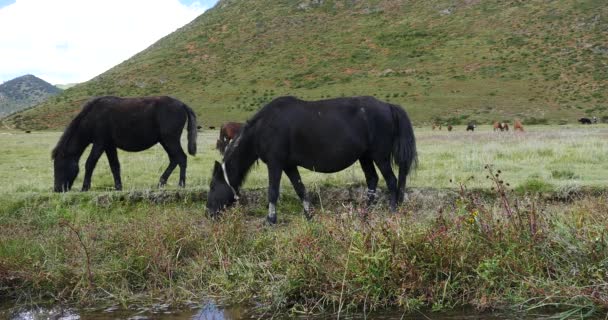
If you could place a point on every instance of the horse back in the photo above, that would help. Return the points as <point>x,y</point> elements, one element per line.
<point>326,135</point>
<point>135,124</point>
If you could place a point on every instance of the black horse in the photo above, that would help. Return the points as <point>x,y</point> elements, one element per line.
<point>131,124</point>
<point>584,120</point>
<point>324,136</point>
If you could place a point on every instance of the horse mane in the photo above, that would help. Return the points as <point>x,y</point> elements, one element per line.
<point>72,128</point>
<point>251,122</point>
<point>248,159</point>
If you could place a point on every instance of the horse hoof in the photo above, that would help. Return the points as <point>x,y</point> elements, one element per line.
<point>271,220</point>
<point>308,216</point>
<point>393,208</point>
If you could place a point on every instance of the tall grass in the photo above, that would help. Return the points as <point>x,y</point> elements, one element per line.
<point>488,251</point>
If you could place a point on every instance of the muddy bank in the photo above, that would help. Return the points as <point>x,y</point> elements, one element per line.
<point>328,197</point>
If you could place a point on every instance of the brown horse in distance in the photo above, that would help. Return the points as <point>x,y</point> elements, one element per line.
<point>498,126</point>
<point>517,126</point>
<point>228,131</point>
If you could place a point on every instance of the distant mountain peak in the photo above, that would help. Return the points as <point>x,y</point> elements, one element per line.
<point>24,92</point>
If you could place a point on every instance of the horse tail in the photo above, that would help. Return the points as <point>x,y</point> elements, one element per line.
<point>404,147</point>
<point>192,133</point>
<point>72,128</point>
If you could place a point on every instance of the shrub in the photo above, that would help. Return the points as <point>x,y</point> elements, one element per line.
<point>534,185</point>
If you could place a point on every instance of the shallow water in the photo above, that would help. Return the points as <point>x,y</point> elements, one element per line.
<point>211,311</point>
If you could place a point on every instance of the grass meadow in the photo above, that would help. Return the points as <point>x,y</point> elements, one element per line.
<point>533,235</point>
<point>548,157</point>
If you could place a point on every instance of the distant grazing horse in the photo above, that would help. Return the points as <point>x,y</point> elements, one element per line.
<point>471,127</point>
<point>505,126</point>
<point>228,131</point>
<point>436,126</point>
<point>131,124</point>
<point>517,126</point>
<point>450,127</point>
<point>584,120</point>
<point>498,126</point>
<point>324,136</point>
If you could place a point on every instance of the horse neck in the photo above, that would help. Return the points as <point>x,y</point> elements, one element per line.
<point>75,146</point>
<point>239,160</point>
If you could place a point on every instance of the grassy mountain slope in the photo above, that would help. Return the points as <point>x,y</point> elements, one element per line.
<point>23,92</point>
<point>455,60</point>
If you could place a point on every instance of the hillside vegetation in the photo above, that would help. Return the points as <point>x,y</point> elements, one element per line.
<point>447,60</point>
<point>23,92</point>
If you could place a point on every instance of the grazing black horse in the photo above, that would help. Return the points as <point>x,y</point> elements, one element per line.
<point>131,124</point>
<point>471,127</point>
<point>584,120</point>
<point>324,136</point>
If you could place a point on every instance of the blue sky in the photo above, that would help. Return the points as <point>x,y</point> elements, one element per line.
<point>205,3</point>
<point>4,3</point>
<point>72,41</point>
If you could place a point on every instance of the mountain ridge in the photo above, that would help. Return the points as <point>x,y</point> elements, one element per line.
<point>23,92</point>
<point>444,61</point>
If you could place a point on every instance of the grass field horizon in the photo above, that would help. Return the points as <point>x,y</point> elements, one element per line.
<point>553,157</point>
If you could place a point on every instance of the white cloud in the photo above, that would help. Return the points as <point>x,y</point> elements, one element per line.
<point>64,41</point>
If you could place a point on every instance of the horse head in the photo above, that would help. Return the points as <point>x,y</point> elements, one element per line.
<point>66,170</point>
<point>221,194</point>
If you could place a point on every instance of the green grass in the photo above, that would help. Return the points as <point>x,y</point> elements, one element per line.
<point>560,156</point>
<point>542,245</point>
<point>534,60</point>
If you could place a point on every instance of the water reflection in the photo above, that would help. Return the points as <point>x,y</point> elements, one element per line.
<point>212,311</point>
<point>209,311</point>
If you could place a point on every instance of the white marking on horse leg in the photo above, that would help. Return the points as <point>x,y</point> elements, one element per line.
<point>272,211</point>
<point>306,205</point>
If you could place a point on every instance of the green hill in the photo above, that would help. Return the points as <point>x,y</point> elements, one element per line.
<point>23,92</point>
<point>454,60</point>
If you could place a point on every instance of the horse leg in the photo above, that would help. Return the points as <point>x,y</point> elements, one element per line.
<point>274,182</point>
<point>391,181</point>
<point>112,156</point>
<point>296,181</point>
<point>182,161</point>
<point>371,177</point>
<point>96,152</point>
<point>174,160</point>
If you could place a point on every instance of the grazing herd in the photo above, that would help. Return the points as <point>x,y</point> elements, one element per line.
<point>324,136</point>
<point>497,126</point>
